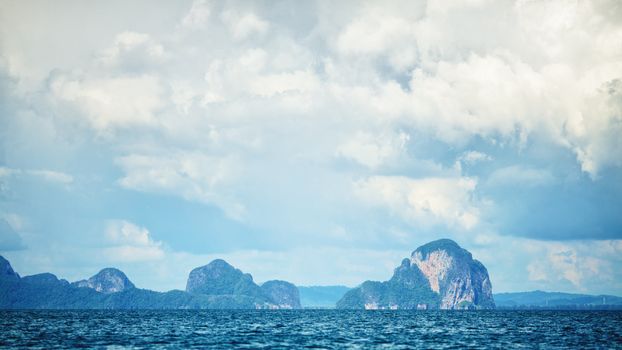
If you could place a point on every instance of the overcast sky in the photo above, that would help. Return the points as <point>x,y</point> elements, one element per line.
<point>316,142</point>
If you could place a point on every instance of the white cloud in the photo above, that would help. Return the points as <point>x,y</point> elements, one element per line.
<point>130,243</point>
<point>471,157</point>
<point>44,174</point>
<point>520,175</point>
<point>243,25</point>
<point>198,15</point>
<point>594,132</point>
<point>493,89</point>
<point>579,263</point>
<point>423,202</point>
<point>373,150</point>
<point>256,73</point>
<point>297,81</point>
<point>133,52</point>
<point>52,176</point>
<point>193,176</point>
<point>112,102</point>
<point>521,264</point>
<point>375,35</point>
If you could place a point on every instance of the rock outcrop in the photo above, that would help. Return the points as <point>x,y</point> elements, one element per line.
<point>438,275</point>
<point>218,278</point>
<point>452,272</point>
<point>108,280</point>
<point>284,294</point>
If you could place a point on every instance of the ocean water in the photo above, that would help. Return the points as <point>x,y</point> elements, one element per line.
<point>310,329</point>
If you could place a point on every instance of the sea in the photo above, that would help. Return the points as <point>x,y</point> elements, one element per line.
<point>317,329</point>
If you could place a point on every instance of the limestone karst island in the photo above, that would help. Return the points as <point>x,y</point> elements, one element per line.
<point>438,275</point>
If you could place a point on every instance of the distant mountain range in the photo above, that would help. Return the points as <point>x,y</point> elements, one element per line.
<point>555,300</point>
<point>321,296</point>
<point>217,285</point>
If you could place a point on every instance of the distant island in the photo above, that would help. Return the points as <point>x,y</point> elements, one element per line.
<point>540,300</point>
<point>322,297</point>
<point>216,285</point>
<point>438,275</point>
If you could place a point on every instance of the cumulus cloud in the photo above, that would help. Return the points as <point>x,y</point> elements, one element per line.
<point>112,102</point>
<point>133,52</point>
<point>373,150</point>
<point>578,264</point>
<point>493,91</point>
<point>382,32</point>
<point>129,243</point>
<point>243,25</point>
<point>423,202</point>
<point>193,176</point>
<point>198,14</point>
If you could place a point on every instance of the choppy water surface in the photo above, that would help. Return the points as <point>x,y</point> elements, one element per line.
<point>310,328</point>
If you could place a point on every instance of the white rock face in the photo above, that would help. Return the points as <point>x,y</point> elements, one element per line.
<point>434,268</point>
<point>460,281</point>
<point>457,291</point>
<point>108,280</point>
<point>438,275</point>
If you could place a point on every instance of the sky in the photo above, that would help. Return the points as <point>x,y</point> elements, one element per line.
<point>318,142</point>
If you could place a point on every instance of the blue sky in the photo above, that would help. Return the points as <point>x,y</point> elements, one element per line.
<point>314,142</point>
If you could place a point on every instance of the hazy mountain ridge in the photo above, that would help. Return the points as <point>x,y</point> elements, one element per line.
<point>111,289</point>
<point>321,296</point>
<point>556,300</point>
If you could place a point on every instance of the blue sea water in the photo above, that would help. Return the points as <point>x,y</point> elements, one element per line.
<point>310,329</point>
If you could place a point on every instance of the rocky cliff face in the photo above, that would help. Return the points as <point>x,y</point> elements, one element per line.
<point>283,293</point>
<point>438,275</point>
<point>460,280</point>
<point>108,280</point>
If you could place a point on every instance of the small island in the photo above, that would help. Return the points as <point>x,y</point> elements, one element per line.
<point>438,275</point>
<point>216,285</point>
